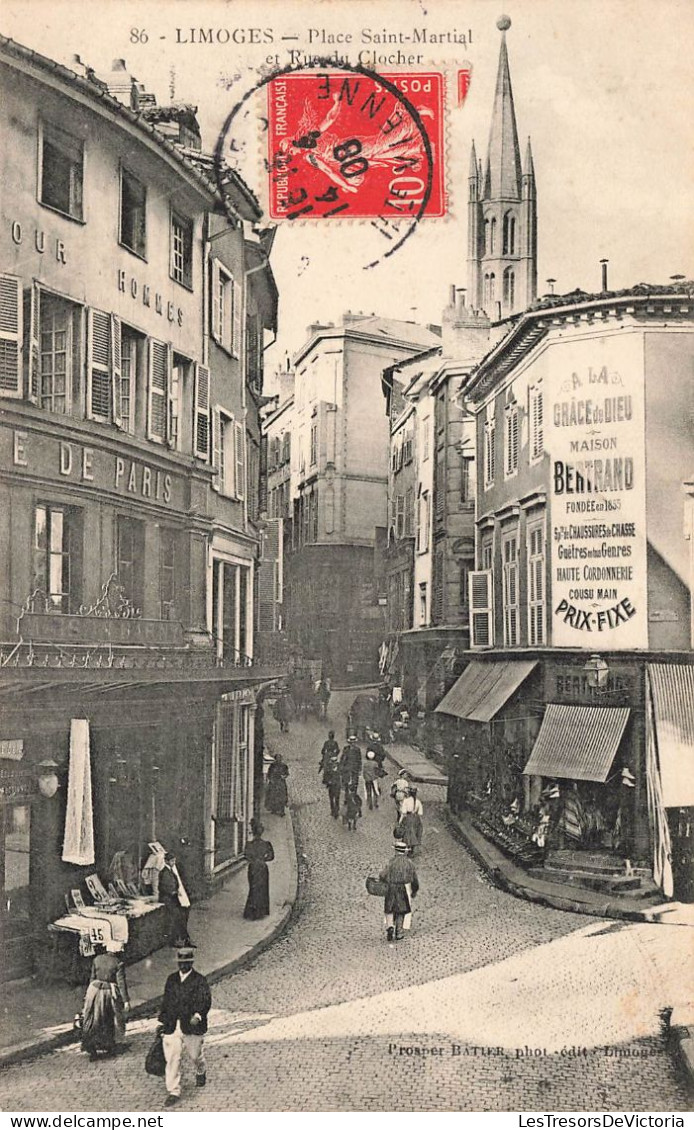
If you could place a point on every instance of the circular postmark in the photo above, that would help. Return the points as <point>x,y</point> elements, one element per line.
<point>343,142</point>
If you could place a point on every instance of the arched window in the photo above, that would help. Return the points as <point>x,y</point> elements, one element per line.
<point>509,234</point>
<point>509,286</point>
<point>489,287</point>
<point>492,236</point>
<point>486,237</point>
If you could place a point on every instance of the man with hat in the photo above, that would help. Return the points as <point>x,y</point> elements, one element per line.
<point>183,1022</point>
<point>350,765</point>
<point>174,897</point>
<point>402,886</point>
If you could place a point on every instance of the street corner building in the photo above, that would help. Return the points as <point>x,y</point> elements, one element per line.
<point>571,726</point>
<point>135,298</point>
<point>539,560</point>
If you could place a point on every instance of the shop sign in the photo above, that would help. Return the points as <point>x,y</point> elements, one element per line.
<point>243,696</point>
<point>595,436</point>
<point>12,749</point>
<point>18,783</point>
<point>94,467</point>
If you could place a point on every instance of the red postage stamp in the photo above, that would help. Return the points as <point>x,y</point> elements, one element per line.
<point>356,145</point>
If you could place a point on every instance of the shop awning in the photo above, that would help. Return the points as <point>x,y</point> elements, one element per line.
<point>672,694</point>
<point>578,742</point>
<point>483,688</point>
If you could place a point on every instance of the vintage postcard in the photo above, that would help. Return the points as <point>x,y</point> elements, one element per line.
<point>347,528</point>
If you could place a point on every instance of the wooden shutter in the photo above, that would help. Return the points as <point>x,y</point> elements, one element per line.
<point>511,441</point>
<point>34,347</point>
<point>536,422</point>
<point>99,366</point>
<point>158,390</point>
<point>215,327</point>
<point>217,461</point>
<point>201,437</point>
<point>237,319</point>
<point>11,310</point>
<point>116,369</point>
<point>240,460</point>
<point>481,609</point>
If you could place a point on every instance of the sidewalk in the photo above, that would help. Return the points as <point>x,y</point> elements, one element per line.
<point>517,881</point>
<point>37,1015</point>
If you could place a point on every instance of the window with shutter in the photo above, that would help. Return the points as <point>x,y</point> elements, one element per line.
<point>536,414</point>
<point>159,366</point>
<point>510,590</point>
<point>202,412</point>
<point>240,458</point>
<point>489,451</point>
<point>237,320</point>
<point>437,595</point>
<point>409,512</point>
<point>400,515</point>
<point>440,484</point>
<point>511,446</point>
<point>481,608</point>
<point>536,585</point>
<point>116,370</point>
<point>99,390</point>
<point>11,311</point>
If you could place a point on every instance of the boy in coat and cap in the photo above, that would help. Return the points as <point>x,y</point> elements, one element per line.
<point>183,1022</point>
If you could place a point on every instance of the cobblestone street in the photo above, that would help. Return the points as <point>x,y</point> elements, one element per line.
<point>491,1004</point>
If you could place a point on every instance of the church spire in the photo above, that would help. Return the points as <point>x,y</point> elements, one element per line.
<point>503,170</point>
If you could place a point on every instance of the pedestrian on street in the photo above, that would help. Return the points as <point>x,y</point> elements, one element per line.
<point>350,765</point>
<point>175,899</point>
<point>259,853</point>
<point>329,766</point>
<point>403,884</point>
<point>400,790</point>
<point>352,810</point>
<point>276,796</point>
<point>371,774</point>
<point>375,744</point>
<point>105,1004</point>
<point>282,712</point>
<point>410,823</point>
<point>183,1022</point>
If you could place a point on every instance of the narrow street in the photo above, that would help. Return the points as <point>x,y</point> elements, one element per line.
<point>491,1004</point>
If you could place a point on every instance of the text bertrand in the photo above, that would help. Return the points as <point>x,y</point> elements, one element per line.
<point>594,476</point>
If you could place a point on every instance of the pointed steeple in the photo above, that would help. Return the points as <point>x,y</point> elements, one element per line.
<point>503,171</point>
<point>528,166</point>
<point>473,162</point>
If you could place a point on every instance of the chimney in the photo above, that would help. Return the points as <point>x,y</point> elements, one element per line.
<point>603,264</point>
<point>550,284</point>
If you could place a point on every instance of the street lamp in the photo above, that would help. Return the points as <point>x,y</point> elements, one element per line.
<point>597,672</point>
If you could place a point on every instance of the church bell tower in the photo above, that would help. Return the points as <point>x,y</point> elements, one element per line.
<point>502,210</point>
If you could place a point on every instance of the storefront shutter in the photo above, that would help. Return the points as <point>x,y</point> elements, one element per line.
<point>202,412</point>
<point>10,336</point>
<point>481,608</point>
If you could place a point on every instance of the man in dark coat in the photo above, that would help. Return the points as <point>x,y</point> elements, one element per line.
<point>183,1022</point>
<point>329,766</point>
<point>350,765</point>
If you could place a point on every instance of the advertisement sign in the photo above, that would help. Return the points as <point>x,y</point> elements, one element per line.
<point>595,429</point>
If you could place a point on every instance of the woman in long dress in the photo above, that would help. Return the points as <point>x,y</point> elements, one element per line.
<point>105,1004</point>
<point>276,797</point>
<point>410,824</point>
<point>259,853</point>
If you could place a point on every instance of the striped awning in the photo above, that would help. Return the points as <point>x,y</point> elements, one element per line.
<point>672,694</point>
<point>483,688</point>
<point>578,742</point>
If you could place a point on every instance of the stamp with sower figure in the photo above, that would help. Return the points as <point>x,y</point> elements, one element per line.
<point>356,145</point>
